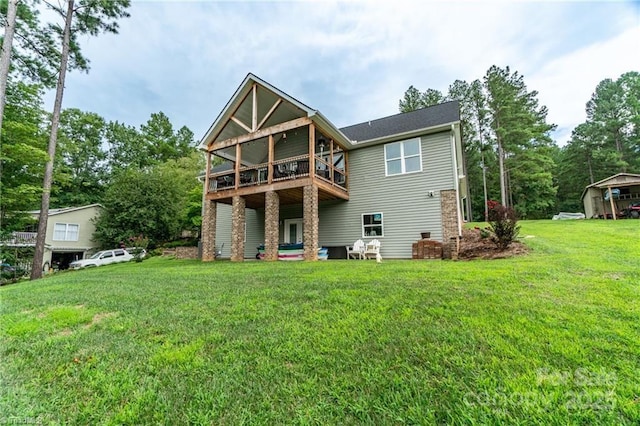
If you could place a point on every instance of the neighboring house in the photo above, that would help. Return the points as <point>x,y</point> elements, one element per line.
<point>289,175</point>
<point>69,233</point>
<point>624,188</point>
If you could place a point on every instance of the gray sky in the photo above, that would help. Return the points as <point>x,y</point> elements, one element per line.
<point>352,60</point>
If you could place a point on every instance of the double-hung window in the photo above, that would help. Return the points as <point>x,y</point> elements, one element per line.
<point>372,225</point>
<point>65,232</point>
<point>403,157</point>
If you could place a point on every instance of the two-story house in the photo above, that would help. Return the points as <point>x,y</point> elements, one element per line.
<point>69,235</point>
<point>289,175</point>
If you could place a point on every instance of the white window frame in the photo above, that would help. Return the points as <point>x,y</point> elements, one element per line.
<point>287,237</point>
<point>402,158</point>
<point>381,225</point>
<point>66,231</point>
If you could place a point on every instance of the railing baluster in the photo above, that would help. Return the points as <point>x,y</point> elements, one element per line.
<point>283,170</point>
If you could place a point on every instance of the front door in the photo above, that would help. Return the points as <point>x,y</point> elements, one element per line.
<point>292,231</point>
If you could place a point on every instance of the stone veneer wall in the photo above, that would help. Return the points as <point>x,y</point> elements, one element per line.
<point>450,237</point>
<point>310,221</point>
<point>209,230</point>
<point>186,252</point>
<point>271,220</point>
<point>237,229</point>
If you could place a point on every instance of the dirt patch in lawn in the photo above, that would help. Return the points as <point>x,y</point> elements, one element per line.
<point>99,317</point>
<point>474,246</point>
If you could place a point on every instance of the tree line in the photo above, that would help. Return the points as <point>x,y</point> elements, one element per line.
<point>510,155</point>
<point>144,177</point>
<point>147,172</point>
<point>608,142</point>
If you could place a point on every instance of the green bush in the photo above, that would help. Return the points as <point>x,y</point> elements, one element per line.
<point>140,245</point>
<point>155,252</point>
<point>187,242</point>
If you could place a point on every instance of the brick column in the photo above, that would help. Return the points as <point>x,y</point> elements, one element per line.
<point>209,230</point>
<point>237,229</point>
<point>449,211</point>
<point>271,230</point>
<point>310,219</point>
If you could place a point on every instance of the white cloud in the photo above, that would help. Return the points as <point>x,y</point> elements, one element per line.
<point>353,60</point>
<point>569,81</point>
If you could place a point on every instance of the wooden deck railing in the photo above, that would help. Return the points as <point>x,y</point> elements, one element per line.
<point>328,172</point>
<point>21,238</point>
<point>282,170</point>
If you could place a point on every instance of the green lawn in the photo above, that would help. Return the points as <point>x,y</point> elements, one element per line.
<point>548,338</point>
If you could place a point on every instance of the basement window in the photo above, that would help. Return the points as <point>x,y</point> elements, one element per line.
<point>372,225</point>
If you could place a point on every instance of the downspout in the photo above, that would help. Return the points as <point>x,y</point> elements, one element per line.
<point>455,178</point>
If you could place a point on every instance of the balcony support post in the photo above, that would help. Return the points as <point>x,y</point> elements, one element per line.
<point>210,209</point>
<point>310,222</point>
<point>237,228</point>
<point>271,221</point>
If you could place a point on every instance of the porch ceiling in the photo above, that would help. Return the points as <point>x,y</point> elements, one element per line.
<point>257,105</point>
<point>287,197</point>
<point>265,101</point>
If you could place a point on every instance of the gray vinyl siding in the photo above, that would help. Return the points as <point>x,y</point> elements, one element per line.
<point>255,230</point>
<point>255,227</point>
<point>296,143</point>
<point>402,199</point>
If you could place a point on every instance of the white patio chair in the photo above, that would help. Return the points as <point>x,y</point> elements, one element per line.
<point>372,249</point>
<point>356,251</point>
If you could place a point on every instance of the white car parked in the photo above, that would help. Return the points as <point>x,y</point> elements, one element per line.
<point>103,258</point>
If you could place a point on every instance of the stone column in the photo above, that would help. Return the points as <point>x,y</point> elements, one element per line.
<point>449,211</point>
<point>310,219</point>
<point>271,230</point>
<point>209,230</point>
<point>237,229</point>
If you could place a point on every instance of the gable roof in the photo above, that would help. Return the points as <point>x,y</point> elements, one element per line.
<point>61,210</point>
<point>616,181</point>
<point>621,179</point>
<point>404,123</point>
<point>275,106</point>
<point>269,106</point>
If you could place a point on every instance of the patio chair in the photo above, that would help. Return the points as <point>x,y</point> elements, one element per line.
<point>356,251</point>
<point>372,249</point>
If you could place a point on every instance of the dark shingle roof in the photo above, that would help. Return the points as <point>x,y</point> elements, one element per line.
<point>448,112</point>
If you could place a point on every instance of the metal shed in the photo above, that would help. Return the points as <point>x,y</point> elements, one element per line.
<point>601,200</point>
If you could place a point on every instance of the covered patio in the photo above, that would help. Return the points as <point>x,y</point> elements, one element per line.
<point>265,150</point>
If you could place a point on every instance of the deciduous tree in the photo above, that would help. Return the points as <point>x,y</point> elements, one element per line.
<point>5,57</point>
<point>156,202</point>
<point>23,153</point>
<point>82,159</point>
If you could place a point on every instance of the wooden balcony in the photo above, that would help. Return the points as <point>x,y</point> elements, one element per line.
<point>286,176</point>
<point>21,239</point>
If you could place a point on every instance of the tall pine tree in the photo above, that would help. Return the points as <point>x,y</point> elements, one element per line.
<point>508,150</point>
<point>607,143</point>
<point>90,17</point>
